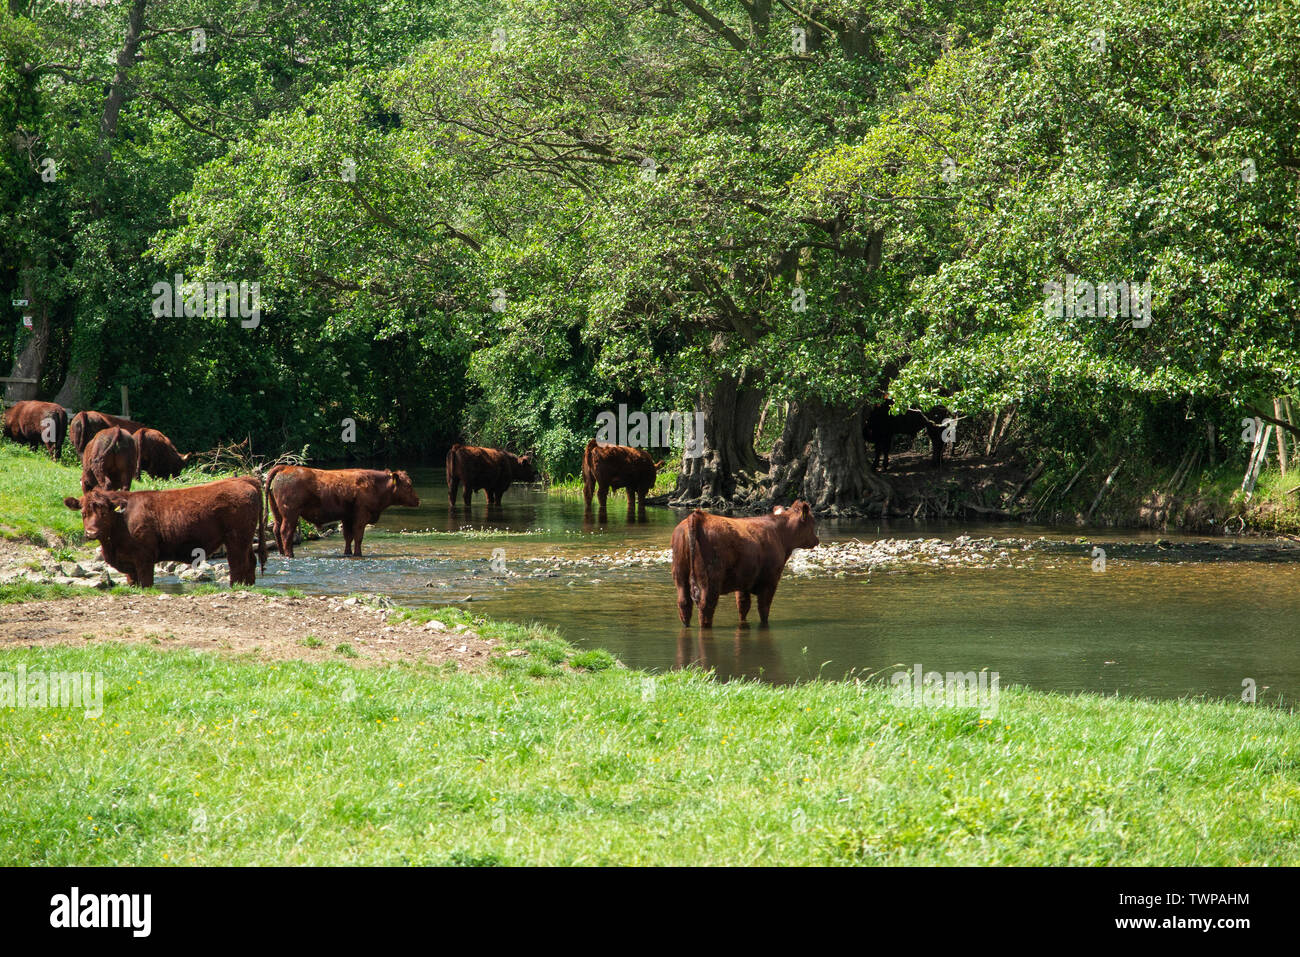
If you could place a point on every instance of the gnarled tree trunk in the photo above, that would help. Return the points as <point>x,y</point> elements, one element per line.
<point>821,458</point>
<point>728,462</point>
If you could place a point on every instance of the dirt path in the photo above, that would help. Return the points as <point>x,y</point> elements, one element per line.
<point>272,628</point>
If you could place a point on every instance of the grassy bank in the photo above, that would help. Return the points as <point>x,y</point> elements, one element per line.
<point>1156,495</point>
<point>201,759</point>
<point>32,490</point>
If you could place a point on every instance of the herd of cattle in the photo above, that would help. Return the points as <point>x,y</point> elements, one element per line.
<point>712,555</point>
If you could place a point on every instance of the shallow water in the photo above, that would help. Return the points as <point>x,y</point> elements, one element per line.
<point>1151,628</point>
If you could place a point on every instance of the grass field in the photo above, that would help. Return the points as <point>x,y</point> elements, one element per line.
<point>199,759</point>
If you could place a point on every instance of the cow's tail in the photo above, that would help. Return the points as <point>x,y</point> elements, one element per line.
<point>270,499</point>
<point>697,552</point>
<point>451,460</point>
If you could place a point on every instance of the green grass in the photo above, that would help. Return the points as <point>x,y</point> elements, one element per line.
<point>210,760</point>
<point>32,490</point>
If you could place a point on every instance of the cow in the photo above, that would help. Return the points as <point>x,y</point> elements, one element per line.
<point>158,456</point>
<point>356,497</point>
<point>714,555</point>
<point>489,469</point>
<point>111,461</point>
<point>37,424</point>
<point>86,424</point>
<point>139,529</point>
<point>615,467</point>
<point>881,426</point>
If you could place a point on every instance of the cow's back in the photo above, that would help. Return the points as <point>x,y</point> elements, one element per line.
<point>177,520</point>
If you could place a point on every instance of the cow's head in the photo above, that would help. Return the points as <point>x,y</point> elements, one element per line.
<point>403,490</point>
<point>801,529</point>
<point>100,511</point>
<point>526,467</point>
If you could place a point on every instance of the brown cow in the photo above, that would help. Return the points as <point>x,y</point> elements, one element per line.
<point>713,555</point>
<point>354,496</point>
<point>616,467</point>
<point>86,424</point>
<point>158,456</point>
<point>139,529</point>
<point>37,423</point>
<point>111,461</point>
<point>492,470</point>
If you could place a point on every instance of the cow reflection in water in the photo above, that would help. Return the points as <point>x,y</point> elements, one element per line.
<point>751,653</point>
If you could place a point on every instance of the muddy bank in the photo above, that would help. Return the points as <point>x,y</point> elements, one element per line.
<point>272,628</point>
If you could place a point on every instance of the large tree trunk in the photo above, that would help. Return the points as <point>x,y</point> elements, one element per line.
<point>729,463</point>
<point>30,362</point>
<point>82,371</point>
<point>821,458</point>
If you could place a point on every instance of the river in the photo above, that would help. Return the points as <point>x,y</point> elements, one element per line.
<point>1154,628</point>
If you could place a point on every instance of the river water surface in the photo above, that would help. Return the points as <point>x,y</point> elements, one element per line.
<point>1155,628</point>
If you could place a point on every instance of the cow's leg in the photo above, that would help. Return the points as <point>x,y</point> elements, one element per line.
<point>765,595</point>
<point>641,503</point>
<point>469,495</point>
<point>708,603</point>
<point>284,531</point>
<point>240,555</point>
<point>631,502</point>
<point>602,494</point>
<point>358,531</point>
<point>347,536</point>
<point>144,574</point>
<point>742,604</point>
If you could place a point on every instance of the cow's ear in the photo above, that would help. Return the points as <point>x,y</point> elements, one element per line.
<point>73,503</point>
<point>779,510</point>
<point>805,508</point>
<point>119,508</point>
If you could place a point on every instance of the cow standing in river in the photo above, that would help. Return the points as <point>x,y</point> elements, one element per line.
<point>606,467</point>
<point>355,497</point>
<point>492,470</point>
<point>714,555</point>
